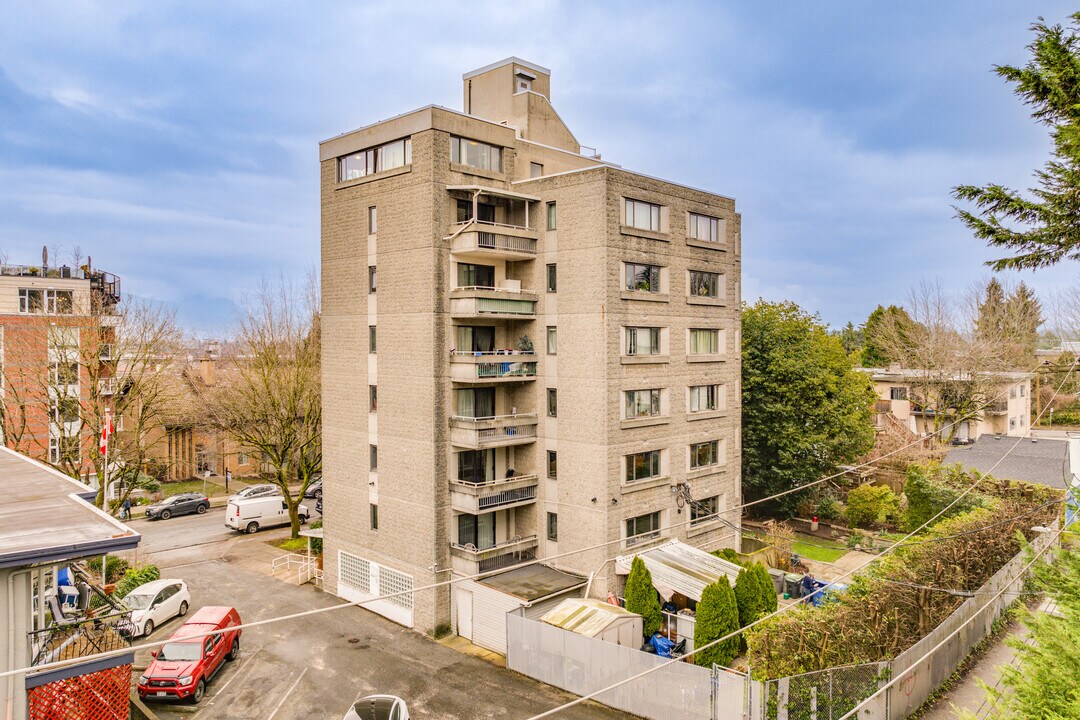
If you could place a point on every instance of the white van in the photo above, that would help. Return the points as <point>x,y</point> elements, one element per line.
<point>252,514</point>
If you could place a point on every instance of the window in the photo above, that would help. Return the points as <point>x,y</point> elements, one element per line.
<point>31,301</point>
<point>66,409</point>
<point>643,215</point>
<point>475,338</point>
<point>898,393</point>
<point>703,227</point>
<point>642,527</point>
<point>704,284</point>
<point>485,212</point>
<point>477,530</point>
<point>552,341</point>
<point>642,403</point>
<point>704,398</point>
<point>64,374</point>
<point>642,466</point>
<point>469,275</point>
<point>552,526</point>
<point>374,451</point>
<point>371,338</point>
<point>704,342</point>
<point>475,154</point>
<point>535,170</point>
<point>377,159</point>
<point>372,221</point>
<point>1023,390</point>
<point>59,302</point>
<point>241,458</point>
<point>371,278</point>
<point>552,464</point>
<point>1012,423</point>
<point>476,466</point>
<point>373,398</point>
<point>1012,392</point>
<point>644,278</point>
<point>476,402</point>
<point>374,516</point>
<point>552,278</point>
<point>704,454</point>
<point>704,510</point>
<point>551,216</point>
<point>552,402</point>
<point>642,341</point>
<point>64,449</point>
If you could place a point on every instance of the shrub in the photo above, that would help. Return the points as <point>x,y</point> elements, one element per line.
<point>316,543</point>
<point>717,616</point>
<point>829,508</point>
<point>135,577</point>
<point>928,494</point>
<point>641,597</point>
<point>746,597</point>
<point>766,588</point>
<point>115,567</point>
<point>871,505</point>
<point>728,554</point>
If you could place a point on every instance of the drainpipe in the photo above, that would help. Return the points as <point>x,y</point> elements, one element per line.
<point>594,573</point>
<point>11,681</point>
<point>530,603</point>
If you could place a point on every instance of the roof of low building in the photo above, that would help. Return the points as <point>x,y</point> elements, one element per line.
<point>897,373</point>
<point>1043,461</point>
<point>533,582</point>
<point>586,616</point>
<point>681,568</point>
<point>44,517</point>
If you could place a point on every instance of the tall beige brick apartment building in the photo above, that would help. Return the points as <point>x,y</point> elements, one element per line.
<point>527,350</point>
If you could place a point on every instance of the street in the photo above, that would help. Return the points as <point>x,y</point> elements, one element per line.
<point>316,666</point>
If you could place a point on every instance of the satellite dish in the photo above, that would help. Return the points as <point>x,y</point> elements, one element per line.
<point>44,256</point>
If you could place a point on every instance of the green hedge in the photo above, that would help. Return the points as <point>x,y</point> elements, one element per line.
<point>717,616</point>
<point>871,505</point>
<point>641,597</point>
<point>928,493</point>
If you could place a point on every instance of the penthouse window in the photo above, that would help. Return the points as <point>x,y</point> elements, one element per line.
<point>53,302</point>
<point>643,215</point>
<point>373,160</point>
<point>705,228</point>
<point>475,154</point>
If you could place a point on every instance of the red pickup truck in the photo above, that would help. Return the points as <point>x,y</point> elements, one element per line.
<point>183,665</point>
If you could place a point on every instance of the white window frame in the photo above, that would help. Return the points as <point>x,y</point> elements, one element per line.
<point>642,215</point>
<point>695,398</point>
<point>648,534</point>
<point>654,399</point>
<point>494,154</point>
<point>632,341</point>
<point>704,228</point>
<point>716,343</point>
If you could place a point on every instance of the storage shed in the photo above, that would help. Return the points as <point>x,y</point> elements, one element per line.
<point>597,619</point>
<point>679,568</point>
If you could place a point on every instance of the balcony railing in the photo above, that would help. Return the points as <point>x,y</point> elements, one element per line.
<point>472,302</point>
<point>488,367</point>
<point>469,559</point>
<point>493,240</point>
<point>476,433</point>
<point>498,493</point>
<point>80,638</point>
<point>998,408</point>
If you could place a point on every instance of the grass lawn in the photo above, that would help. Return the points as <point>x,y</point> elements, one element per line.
<point>299,545</point>
<point>815,548</point>
<point>186,486</point>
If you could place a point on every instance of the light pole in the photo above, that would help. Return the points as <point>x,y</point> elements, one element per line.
<point>1051,426</point>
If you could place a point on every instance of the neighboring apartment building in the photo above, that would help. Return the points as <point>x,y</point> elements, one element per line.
<point>1004,398</point>
<point>55,324</point>
<point>526,350</point>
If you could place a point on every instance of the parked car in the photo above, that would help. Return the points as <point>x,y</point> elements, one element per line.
<point>264,490</point>
<point>155,603</point>
<point>378,707</point>
<point>182,504</point>
<point>318,506</point>
<point>252,514</point>
<point>184,665</point>
<point>314,490</point>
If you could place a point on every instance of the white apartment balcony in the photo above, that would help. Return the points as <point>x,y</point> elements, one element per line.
<point>481,240</point>
<point>468,560</point>
<point>492,366</point>
<point>491,432</point>
<point>499,494</point>
<point>493,303</point>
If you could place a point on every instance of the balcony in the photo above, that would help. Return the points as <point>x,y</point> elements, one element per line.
<point>487,240</point>
<point>499,494</point>
<point>998,408</point>
<point>80,638</point>
<point>492,303</point>
<point>468,560</point>
<point>491,432</point>
<point>492,366</point>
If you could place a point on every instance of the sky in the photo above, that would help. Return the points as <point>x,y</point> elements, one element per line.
<point>176,143</point>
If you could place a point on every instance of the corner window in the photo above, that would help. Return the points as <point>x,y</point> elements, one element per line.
<point>705,228</point>
<point>551,216</point>
<point>642,466</point>
<point>552,526</point>
<point>704,342</point>
<point>552,278</point>
<point>704,284</point>
<point>642,341</point>
<point>372,220</point>
<point>535,170</point>
<point>374,516</point>
<point>377,159</point>
<point>475,154</point>
<point>373,398</point>
<point>374,451</point>
<point>552,341</point>
<point>642,403</point>
<point>704,398</point>
<point>552,402</point>
<point>642,528</point>
<point>372,280</point>
<point>704,510</point>
<point>371,338</point>
<point>552,464</point>
<point>642,215</point>
<point>704,454</point>
<point>642,278</point>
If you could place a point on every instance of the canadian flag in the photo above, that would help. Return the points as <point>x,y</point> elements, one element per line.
<point>105,433</point>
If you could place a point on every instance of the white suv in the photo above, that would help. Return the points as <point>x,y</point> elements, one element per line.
<point>155,603</point>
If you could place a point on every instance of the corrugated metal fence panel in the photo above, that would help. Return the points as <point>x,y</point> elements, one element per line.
<point>583,665</point>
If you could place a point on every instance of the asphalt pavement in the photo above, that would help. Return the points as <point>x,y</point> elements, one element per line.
<point>316,666</point>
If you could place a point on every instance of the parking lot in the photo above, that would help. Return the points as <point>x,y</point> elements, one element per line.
<point>314,667</point>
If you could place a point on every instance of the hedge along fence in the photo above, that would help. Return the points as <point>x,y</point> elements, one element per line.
<point>880,616</point>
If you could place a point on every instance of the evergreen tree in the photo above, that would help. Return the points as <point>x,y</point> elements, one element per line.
<point>1024,312</point>
<point>768,601</point>
<point>717,616</point>
<point>990,324</point>
<point>874,352</point>
<point>852,339</point>
<point>641,597</point>
<point>1043,228</point>
<point>747,597</point>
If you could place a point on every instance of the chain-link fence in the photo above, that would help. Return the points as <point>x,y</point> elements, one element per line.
<point>825,694</point>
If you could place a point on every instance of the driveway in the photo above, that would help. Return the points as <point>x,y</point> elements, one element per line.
<point>315,667</point>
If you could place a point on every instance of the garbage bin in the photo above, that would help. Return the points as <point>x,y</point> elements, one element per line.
<point>793,584</point>
<point>777,580</point>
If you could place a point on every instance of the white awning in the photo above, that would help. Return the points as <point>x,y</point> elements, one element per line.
<point>494,192</point>
<point>679,568</point>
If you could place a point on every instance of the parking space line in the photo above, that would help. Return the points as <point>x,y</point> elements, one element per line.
<point>287,694</point>
<point>240,671</point>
